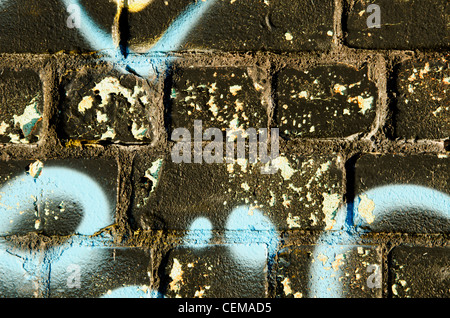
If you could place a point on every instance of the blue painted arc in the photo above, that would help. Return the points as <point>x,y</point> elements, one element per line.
<point>58,182</point>
<point>324,282</point>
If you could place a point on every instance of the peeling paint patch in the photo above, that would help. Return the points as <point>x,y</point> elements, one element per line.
<point>286,286</point>
<point>86,103</point>
<point>293,221</point>
<point>282,164</point>
<point>366,207</point>
<point>138,133</point>
<point>30,117</point>
<point>330,206</point>
<point>153,173</point>
<point>177,276</point>
<point>35,169</point>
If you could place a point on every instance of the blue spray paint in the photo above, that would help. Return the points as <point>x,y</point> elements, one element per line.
<point>324,283</point>
<point>31,272</point>
<point>199,233</point>
<point>156,59</point>
<point>25,193</point>
<point>252,236</point>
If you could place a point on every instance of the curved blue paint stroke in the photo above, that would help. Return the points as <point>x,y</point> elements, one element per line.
<point>23,193</point>
<point>156,59</point>
<point>199,233</point>
<point>252,236</point>
<point>324,283</point>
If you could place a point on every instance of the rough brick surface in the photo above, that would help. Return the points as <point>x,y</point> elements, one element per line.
<point>57,197</point>
<point>423,105</point>
<point>212,272</point>
<point>325,102</point>
<point>21,105</point>
<point>404,25</point>
<point>378,171</point>
<point>41,26</point>
<point>350,265</point>
<point>305,192</point>
<point>99,104</point>
<point>420,272</point>
<point>225,98</point>
<point>112,183</point>
<point>280,25</point>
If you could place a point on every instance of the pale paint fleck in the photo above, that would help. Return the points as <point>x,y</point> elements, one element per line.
<point>339,89</point>
<point>366,207</point>
<point>363,103</point>
<point>286,201</point>
<point>303,94</point>
<point>152,173</point>
<point>288,36</point>
<point>177,276</point>
<point>30,115</point>
<point>322,258</point>
<point>394,289</point>
<point>286,286</point>
<point>338,261</point>
<point>330,205</point>
<point>293,221</point>
<point>110,133</point>
<point>101,118</point>
<point>235,89</point>
<point>272,198</point>
<point>111,85</point>
<point>200,293</point>
<point>282,163</point>
<point>35,169</point>
<point>86,103</point>
<point>314,219</point>
<point>3,127</point>
<point>138,133</point>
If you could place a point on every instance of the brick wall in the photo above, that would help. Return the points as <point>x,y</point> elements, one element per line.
<point>92,203</point>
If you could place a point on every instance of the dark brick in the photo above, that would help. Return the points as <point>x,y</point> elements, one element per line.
<point>73,271</point>
<point>420,272</point>
<point>101,270</point>
<point>351,267</point>
<point>423,104</point>
<point>219,97</point>
<point>212,273</point>
<point>325,102</point>
<point>36,26</point>
<point>21,106</point>
<point>407,25</point>
<point>55,202</point>
<point>403,214</point>
<point>305,193</point>
<point>275,25</point>
<point>99,104</point>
